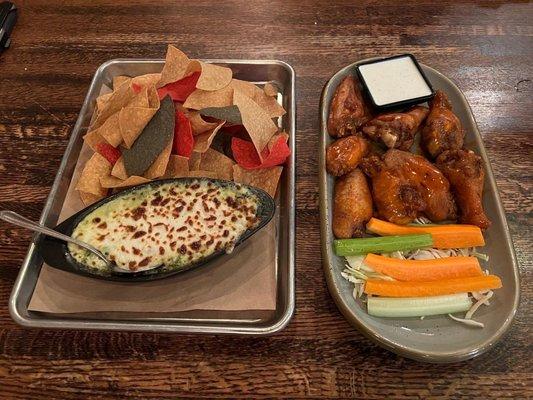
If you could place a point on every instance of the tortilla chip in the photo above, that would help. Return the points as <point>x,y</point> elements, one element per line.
<point>159,166</point>
<point>123,95</point>
<point>119,80</point>
<point>95,168</point>
<point>155,137</point>
<point>93,138</point>
<point>198,124</point>
<point>215,161</point>
<point>203,141</point>
<point>202,98</point>
<point>147,80</point>
<point>132,121</point>
<point>102,100</point>
<point>213,77</point>
<point>270,89</point>
<point>257,122</point>
<point>194,161</point>
<point>110,131</point>
<point>140,99</point>
<point>245,87</point>
<point>119,171</point>
<point>266,178</point>
<point>275,138</point>
<point>89,198</point>
<point>265,101</point>
<point>177,167</point>
<point>113,182</point>
<point>203,174</point>
<point>176,63</point>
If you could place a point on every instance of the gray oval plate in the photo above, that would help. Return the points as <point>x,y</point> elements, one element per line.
<point>435,339</point>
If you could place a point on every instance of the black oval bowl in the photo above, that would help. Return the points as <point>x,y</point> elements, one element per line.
<point>55,252</point>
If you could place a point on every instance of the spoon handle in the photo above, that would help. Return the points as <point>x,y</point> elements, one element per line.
<point>17,219</point>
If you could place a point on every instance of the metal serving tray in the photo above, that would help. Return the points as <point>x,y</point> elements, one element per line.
<point>250,322</point>
<point>435,339</point>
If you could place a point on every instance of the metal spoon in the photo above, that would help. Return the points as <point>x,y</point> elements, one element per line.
<point>17,219</point>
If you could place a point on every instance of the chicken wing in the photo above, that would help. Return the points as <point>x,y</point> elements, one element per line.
<point>407,185</point>
<point>442,130</point>
<point>345,154</point>
<point>348,110</point>
<point>396,130</point>
<point>352,205</point>
<point>464,170</point>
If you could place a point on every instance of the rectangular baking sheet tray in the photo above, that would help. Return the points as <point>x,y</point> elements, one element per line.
<point>248,322</point>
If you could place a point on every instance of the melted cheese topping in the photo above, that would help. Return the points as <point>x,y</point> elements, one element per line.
<point>171,225</point>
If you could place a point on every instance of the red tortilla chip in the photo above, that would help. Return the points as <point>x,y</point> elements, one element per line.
<point>180,90</point>
<point>266,178</point>
<point>183,138</point>
<point>257,122</point>
<point>246,156</point>
<point>110,153</point>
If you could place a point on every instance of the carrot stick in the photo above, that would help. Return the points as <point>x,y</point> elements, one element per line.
<point>444,236</point>
<point>424,270</point>
<point>434,288</point>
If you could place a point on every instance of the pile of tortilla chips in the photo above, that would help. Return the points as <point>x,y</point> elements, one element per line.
<point>192,119</point>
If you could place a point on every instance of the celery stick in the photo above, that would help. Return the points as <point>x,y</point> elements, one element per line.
<point>418,306</point>
<point>385,244</point>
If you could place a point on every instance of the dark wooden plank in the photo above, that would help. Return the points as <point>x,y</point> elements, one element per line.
<point>485,47</point>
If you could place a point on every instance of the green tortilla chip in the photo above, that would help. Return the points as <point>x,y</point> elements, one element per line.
<point>152,141</point>
<point>229,114</point>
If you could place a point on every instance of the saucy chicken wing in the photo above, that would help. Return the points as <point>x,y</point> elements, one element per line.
<point>464,170</point>
<point>406,186</point>
<point>352,205</point>
<point>345,154</point>
<point>396,130</point>
<point>442,130</point>
<point>348,110</point>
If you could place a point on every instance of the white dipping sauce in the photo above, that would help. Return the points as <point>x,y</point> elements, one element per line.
<point>390,81</point>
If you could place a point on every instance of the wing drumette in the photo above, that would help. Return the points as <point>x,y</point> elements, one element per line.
<point>396,130</point>
<point>465,172</point>
<point>442,130</point>
<point>348,110</point>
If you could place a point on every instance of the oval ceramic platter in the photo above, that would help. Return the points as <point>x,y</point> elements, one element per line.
<point>435,339</point>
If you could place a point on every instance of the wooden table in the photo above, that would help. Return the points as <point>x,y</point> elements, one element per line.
<point>485,48</point>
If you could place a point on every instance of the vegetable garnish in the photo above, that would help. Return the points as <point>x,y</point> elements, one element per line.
<point>349,247</point>
<point>418,306</point>
<point>424,270</point>
<point>444,236</point>
<point>434,288</point>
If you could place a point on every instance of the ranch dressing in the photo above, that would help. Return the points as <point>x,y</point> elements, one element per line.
<point>394,80</point>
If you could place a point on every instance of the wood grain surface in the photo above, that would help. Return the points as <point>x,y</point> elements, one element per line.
<point>486,48</point>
